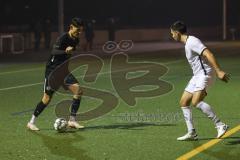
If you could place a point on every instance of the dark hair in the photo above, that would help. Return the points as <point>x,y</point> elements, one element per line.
<point>77,22</point>
<point>179,26</point>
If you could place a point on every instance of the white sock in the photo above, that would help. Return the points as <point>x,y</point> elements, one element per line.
<point>72,118</point>
<point>187,113</point>
<point>206,108</point>
<point>32,121</point>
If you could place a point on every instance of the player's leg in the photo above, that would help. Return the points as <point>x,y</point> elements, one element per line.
<point>187,113</point>
<point>77,95</point>
<point>74,87</point>
<point>38,110</point>
<point>198,101</point>
<point>185,103</point>
<point>47,96</point>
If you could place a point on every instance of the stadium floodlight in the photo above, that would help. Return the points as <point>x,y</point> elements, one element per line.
<point>224,19</point>
<point>60,16</point>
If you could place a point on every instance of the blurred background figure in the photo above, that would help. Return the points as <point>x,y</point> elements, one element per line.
<point>37,34</point>
<point>89,34</point>
<point>47,29</point>
<point>111,29</point>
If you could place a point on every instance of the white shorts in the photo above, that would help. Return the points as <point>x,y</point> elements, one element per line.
<point>200,82</point>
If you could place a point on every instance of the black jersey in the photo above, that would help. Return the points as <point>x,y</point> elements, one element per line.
<point>58,54</point>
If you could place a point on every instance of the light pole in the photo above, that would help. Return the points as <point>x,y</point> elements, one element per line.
<point>60,16</point>
<point>224,19</point>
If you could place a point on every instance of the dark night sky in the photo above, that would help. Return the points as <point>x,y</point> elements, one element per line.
<point>129,12</point>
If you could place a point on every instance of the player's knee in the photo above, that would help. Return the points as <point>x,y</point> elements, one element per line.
<point>195,102</point>
<point>184,103</point>
<point>46,99</point>
<point>78,94</point>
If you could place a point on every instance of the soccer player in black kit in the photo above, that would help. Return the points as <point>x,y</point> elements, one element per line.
<point>61,53</point>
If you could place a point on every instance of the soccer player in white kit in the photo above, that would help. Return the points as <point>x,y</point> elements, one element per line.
<point>204,67</point>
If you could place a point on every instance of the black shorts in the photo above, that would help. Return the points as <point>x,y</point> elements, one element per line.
<point>51,84</point>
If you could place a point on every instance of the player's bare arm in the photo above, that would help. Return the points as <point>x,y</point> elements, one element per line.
<point>213,62</point>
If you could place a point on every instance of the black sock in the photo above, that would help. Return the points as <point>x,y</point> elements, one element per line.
<point>75,106</point>
<point>40,107</point>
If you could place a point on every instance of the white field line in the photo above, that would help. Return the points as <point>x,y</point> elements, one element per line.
<point>19,71</point>
<point>20,86</point>
<point>39,68</point>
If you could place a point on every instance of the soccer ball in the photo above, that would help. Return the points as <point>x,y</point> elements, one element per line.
<point>60,125</point>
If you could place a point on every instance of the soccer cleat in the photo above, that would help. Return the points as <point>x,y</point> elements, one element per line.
<point>74,124</point>
<point>32,127</point>
<point>188,137</point>
<point>221,129</point>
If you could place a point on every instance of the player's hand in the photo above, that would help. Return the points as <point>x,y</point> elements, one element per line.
<point>223,76</point>
<point>69,50</point>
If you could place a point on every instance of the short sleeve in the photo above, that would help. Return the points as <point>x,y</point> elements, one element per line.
<point>197,46</point>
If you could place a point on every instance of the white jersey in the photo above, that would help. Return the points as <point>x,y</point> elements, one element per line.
<point>194,48</point>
